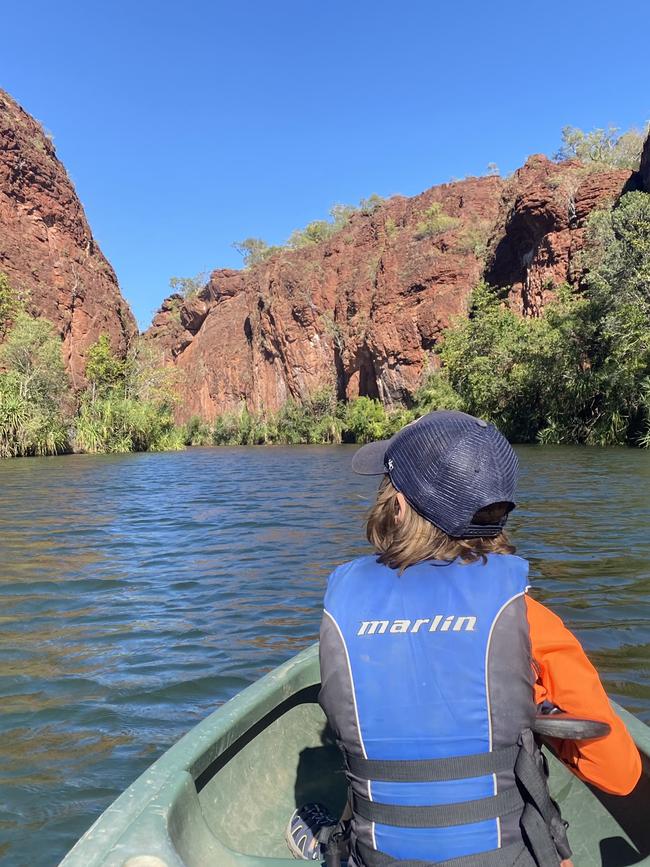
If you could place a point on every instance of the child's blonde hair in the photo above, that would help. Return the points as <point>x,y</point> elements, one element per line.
<point>413,539</point>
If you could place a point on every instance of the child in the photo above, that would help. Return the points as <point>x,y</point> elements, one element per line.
<point>434,660</point>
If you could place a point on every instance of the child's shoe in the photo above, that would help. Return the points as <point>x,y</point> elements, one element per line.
<point>308,830</point>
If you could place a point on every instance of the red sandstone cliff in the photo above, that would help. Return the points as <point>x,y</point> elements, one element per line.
<point>362,312</point>
<point>46,247</point>
<point>540,228</point>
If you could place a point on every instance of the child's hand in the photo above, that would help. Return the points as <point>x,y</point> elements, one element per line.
<point>566,863</point>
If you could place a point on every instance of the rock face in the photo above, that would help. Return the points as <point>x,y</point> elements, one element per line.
<point>46,247</point>
<point>363,311</point>
<point>540,229</point>
<point>360,313</point>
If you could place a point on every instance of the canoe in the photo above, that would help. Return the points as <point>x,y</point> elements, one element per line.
<point>223,794</point>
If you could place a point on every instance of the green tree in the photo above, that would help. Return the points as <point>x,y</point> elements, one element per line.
<point>370,204</point>
<point>603,147</point>
<point>484,359</point>
<point>188,287</point>
<point>618,253</point>
<point>227,430</point>
<point>315,420</point>
<point>617,333</point>
<point>134,409</point>
<point>147,377</point>
<point>104,369</point>
<point>35,400</point>
<point>119,424</point>
<point>581,372</point>
<point>313,233</point>
<point>365,421</point>
<point>436,392</point>
<point>255,251</point>
<point>341,214</point>
<point>32,351</point>
<point>525,375</point>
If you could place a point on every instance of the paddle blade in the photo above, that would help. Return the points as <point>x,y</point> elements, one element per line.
<point>568,727</point>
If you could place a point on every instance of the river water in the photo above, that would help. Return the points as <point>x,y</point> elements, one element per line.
<point>139,592</point>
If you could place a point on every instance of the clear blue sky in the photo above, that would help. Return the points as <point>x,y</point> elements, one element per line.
<point>186,126</point>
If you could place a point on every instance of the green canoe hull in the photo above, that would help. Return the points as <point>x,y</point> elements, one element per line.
<point>223,794</point>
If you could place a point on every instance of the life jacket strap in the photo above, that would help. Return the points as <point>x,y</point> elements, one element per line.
<point>433,770</point>
<point>507,856</point>
<point>440,815</point>
<point>338,843</point>
<point>544,831</point>
<point>541,819</point>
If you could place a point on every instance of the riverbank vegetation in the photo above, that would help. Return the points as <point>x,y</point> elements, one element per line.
<point>127,404</point>
<point>580,373</point>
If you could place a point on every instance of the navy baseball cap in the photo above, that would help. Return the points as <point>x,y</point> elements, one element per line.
<point>448,465</point>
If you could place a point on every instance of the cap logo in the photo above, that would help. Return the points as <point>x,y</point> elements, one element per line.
<point>389,463</point>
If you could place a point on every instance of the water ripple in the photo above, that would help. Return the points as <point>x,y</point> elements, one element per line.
<point>139,592</point>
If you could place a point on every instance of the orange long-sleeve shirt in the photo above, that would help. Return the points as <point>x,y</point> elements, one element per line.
<point>567,678</point>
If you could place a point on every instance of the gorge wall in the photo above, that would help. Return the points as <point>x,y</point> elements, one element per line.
<point>46,247</point>
<point>362,312</point>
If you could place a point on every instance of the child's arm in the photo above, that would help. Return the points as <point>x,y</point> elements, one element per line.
<point>569,680</point>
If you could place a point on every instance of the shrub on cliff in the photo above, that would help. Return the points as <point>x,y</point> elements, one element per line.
<point>340,216</point>
<point>435,222</point>
<point>10,304</point>
<point>188,287</point>
<point>254,251</point>
<point>604,148</point>
<point>474,239</point>
<point>313,233</point>
<point>369,205</point>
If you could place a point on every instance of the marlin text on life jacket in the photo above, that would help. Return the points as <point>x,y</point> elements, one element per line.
<point>439,623</point>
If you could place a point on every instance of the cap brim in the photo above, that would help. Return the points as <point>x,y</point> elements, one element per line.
<point>369,460</point>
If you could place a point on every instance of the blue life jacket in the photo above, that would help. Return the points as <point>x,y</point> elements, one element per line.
<point>431,664</point>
